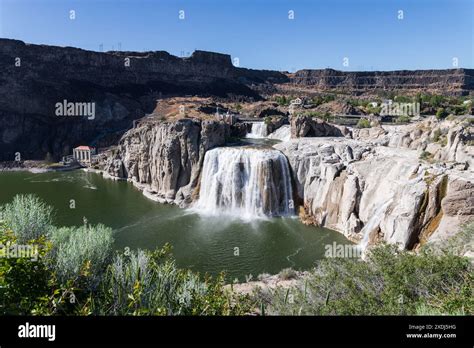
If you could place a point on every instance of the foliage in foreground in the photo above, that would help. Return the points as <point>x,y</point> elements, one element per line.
<point>433,282</point>
<point>75,272</point>
<point>28,216</point>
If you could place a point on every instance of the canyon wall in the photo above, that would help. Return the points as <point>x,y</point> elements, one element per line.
<point>165,159</point>
<point>448,81</point>
<point>124,86</point>
<point>375,187</point>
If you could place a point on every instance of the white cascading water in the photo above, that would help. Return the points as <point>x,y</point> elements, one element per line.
<point>259,130</point>
<point>245,182</point>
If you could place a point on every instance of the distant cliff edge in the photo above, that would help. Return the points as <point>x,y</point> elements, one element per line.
<point>102,93</point>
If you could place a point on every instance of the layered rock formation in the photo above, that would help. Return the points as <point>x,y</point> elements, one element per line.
<point>454,81</point>
<point>307,126</point>
<point>375,187</point>
<point>446,141</point>
<point>123,86</point>
<point>164,159</point>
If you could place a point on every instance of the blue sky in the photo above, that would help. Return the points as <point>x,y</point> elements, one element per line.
<point>258,32</point>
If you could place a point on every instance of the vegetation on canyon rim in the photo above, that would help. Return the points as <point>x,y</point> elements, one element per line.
<point>78,273</point>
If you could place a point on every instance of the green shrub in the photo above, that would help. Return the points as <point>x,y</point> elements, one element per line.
<point>363,123</point>
<point>436,135</point>
<point>374,110</point>
<point>436,100</point>
<point>148,283</point>
<point>23,281</point>
<point>318,100</point>
<point>283,100</point>
<point>441,113</point>
<point>403,119</point>
<point>389,282</point>
<point>426,155</point>
<point>27,216</point>
<point>403,99</point>
<point>81,250</point>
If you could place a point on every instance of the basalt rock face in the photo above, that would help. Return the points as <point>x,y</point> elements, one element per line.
<point>123,85</point>
<point>165,159</point>
<point>307,126</point>
<point>450,81</point>
<point>371,190</point>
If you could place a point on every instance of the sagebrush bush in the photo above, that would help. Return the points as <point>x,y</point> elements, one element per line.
<point>79,250</point>
<point>149,283</point>
<point>27,216</point>
<point>390,281</point>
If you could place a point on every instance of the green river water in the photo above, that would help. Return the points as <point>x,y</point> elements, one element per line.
<point>204,244</point>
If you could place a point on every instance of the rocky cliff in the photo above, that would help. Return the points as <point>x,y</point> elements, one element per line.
<point>165,159</point>
<point>449,81</point>
<point>375,187</point>
<point>122,85</point>
<point>370,184</point>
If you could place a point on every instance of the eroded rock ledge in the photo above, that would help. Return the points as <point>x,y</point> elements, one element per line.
<point>164,159</point>
<point>375,187</point>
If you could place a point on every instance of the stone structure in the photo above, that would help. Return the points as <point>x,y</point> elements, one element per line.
<point>83,154</point>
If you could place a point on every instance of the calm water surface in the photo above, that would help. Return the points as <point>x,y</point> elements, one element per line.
<point>204,244</point>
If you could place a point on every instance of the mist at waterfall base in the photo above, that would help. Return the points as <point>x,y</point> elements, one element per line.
<point>201,243</point>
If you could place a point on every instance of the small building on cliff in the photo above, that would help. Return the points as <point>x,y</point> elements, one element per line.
<point>83,154</point>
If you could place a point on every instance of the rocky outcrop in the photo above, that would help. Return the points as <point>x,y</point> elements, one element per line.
<point>372,192</point>
<point>283,133</point>
<point>446,141</point>
<point>307,126</point>
<point>164,159</point>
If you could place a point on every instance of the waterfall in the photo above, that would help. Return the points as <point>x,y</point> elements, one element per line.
<point>246,182</point>
<point>259,130</point>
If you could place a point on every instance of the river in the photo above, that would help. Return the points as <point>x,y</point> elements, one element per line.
<point>200,242</point>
